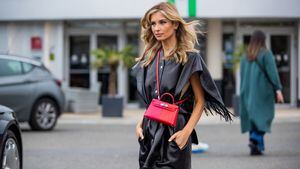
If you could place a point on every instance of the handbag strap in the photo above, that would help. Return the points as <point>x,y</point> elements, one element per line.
<point>157,75</point>
<point>158,85</point>
<point>265,73</point>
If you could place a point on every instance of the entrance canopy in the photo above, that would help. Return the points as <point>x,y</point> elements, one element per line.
<point>11,10</point>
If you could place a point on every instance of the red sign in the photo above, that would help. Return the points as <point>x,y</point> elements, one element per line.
<point>36,43</point>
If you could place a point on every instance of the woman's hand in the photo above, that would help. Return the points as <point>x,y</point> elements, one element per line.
<point>180,137</point>
<point>279,96</point>
<point>139,131</point>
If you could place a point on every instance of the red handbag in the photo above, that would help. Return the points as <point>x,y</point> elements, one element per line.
<point>161,111</point>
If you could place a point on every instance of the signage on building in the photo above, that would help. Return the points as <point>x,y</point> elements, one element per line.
<point>188,7</point>
<point>36,43</point>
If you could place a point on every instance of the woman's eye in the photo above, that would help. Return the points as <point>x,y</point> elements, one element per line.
<point>152,23</point>
<point>162,22</point>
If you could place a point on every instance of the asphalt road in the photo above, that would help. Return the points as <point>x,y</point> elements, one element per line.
<point>110,146</point>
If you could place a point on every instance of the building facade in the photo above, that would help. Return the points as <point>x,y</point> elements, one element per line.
<point>62,33</point>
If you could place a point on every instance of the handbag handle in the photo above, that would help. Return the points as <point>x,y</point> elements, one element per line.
<point>169,94</point>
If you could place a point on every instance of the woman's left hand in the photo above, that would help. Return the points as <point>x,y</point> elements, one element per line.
<point>180,137</point>
<point>279,96</point>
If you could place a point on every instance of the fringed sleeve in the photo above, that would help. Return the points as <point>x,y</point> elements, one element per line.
<point>213,100</point>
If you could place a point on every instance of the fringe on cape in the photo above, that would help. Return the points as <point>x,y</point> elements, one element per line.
<point>218,108</point>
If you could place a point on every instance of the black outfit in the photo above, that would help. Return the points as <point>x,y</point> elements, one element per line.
<point>155,150</point>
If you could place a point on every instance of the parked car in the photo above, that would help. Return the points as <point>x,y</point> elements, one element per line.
<point>28,88</point>
<point>10,140</point>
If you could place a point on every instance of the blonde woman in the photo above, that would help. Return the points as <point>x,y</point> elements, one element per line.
<point>182,73</point>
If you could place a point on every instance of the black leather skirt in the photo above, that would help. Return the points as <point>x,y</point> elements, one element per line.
<point>156,152</point>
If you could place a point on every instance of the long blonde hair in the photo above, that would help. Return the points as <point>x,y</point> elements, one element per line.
<point>186,35</point>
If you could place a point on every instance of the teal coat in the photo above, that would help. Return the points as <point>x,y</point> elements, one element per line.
<point>256,93</point>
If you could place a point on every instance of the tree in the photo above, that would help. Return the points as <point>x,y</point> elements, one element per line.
<point>109,57</point>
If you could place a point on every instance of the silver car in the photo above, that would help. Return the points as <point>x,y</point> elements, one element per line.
<point>31,91</point>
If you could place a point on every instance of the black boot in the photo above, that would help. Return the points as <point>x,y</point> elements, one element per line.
<point>254,149</point>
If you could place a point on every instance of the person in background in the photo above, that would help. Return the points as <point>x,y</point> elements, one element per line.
<point>260,88</point>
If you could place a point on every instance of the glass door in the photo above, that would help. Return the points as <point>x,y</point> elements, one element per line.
<point>280,46</point>
<point>79,61</point>
<point>228,83</point>
<point>107,41</point>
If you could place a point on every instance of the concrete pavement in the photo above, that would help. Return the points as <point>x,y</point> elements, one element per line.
<point>114,146</point>
<point>89,141</point>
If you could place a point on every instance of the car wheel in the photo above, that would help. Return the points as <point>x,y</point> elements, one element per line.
<point>11,157</point>
<point>44,115</point>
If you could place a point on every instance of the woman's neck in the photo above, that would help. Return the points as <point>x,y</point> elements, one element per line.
<point>169,44</point>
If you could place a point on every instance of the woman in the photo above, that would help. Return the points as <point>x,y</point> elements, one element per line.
<point>182,73</point>
<point>259,80</point>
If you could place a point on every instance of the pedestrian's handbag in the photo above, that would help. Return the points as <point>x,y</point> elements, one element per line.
<point>161,111</point>
<point>268,78</point>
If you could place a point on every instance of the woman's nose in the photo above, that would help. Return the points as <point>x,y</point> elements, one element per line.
<point>156,28</point>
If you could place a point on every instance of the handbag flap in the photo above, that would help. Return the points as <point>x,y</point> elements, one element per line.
<point>162,112</point>
<point>164,105</point>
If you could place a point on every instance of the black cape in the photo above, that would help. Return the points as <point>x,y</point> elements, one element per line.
<point>195,63</point>
<point>155,150</point>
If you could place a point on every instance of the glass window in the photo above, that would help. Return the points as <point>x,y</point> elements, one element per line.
<point>133,39</point>
<point>201,46</point>
<point>10,67</point>
<point>108,41</point>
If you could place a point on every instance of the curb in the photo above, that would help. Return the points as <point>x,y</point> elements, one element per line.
<point>132,115</point>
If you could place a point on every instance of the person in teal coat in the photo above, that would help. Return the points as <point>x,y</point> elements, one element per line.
<point>259,85</point>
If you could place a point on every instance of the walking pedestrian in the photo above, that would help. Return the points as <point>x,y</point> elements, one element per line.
<point>260,85</point>
<point>170,64</point>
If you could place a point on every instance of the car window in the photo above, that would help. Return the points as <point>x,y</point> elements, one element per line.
<point>10,67</point>
<point>27,67</point>
<point>42,72</point>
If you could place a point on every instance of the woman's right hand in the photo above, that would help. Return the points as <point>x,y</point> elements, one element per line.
<point>279,96</point>
<point>139,131</point>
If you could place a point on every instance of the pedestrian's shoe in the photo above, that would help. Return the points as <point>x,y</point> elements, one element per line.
<point>254,149</point>
<point>199,148</point>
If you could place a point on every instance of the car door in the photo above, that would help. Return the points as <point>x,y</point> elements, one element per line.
<point>14,91</point>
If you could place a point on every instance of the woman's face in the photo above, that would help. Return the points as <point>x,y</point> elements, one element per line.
<point>161,27</point>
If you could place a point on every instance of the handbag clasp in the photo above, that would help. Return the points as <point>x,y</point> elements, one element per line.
<point>164,105</point>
